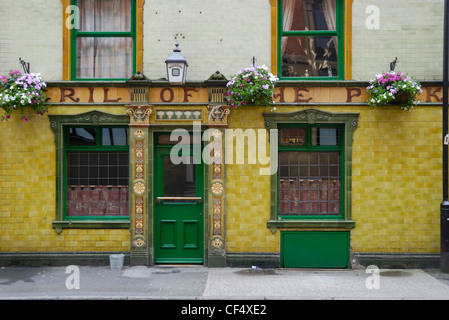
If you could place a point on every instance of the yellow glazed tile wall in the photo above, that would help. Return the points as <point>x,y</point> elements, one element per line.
<point>27,191</point>
<point>396,190</point>
<point>248,194</point>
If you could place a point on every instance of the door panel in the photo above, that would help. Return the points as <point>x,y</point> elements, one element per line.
<point>191,234</point>
<point>168,233</point>
<point>178,209</point>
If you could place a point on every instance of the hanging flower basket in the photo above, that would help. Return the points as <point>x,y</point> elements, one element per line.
<point>251,86</point>
<point>394,88</point>
<point>400,98</point>
<point>19,91</point>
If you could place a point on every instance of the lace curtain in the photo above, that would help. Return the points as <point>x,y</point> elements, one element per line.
<point>309,196</point>
<point>105,57</point>
<point>330,14</point>
<point>97,201</point>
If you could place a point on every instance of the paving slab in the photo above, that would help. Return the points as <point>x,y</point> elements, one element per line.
<point>202,283</point>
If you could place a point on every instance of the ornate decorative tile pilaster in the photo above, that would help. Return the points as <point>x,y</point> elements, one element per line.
<point>139,115</point>
<point>139,192</point>
<point>218,115</point>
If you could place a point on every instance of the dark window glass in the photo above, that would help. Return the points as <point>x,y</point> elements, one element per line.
<point>309,56</point>
<point>179,179</point>
<point>167,139</point>
<point>115,137</point>
<point>325,136</point>
<point>82,136</point>
<point>292,136</point>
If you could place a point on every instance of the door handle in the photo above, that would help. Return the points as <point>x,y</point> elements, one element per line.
<point>159,199</point>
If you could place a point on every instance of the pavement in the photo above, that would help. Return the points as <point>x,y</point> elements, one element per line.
<point>189,282</point>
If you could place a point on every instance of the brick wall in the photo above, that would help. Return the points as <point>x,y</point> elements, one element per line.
<point>396,190</point>
<point>31,30</point>
<point>216,35</point>
<point>410,30</point>
<point>397,187</point>
<point>213,35</point>
<point>27,192</point>
<point>248,193</point>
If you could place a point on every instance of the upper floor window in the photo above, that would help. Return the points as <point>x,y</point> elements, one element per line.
<point>104,45</point>
<point>310,39</point>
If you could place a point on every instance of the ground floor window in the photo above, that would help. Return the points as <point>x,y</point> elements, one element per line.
<point>92,170</point>
<point>97,183</point>
<point>310,171</point>
<point>96,171</point>
<point>312,186</point>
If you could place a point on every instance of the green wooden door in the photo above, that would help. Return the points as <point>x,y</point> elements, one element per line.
<point>178,209</point>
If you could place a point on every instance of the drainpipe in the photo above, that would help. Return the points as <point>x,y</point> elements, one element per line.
<point>444,223</point>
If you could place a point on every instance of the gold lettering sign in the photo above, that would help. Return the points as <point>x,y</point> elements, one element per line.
<point>295,95</point>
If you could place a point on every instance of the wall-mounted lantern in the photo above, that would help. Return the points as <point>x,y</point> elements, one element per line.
<point>176,67</point>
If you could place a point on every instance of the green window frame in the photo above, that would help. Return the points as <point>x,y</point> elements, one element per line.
<point>308,119</point>
<point>315,182</point>
<point>61,124</point>
<point>76,34</point>
<point>310,37</point>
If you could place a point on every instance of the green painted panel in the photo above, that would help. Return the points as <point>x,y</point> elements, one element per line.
<point>178,209</point>
<point>315,249</point>
<point>191,234</point>
<point>168,234</point>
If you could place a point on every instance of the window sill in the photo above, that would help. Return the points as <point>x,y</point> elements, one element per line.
<point>90,224</point>
<point>324,224</point>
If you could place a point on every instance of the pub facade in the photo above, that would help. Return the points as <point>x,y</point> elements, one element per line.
<point>128,161</point>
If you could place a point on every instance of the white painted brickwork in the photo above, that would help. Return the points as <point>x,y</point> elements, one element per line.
<point>31,30</point>
<point>225,35</point>
<point>411,30</point>
<point>213,35</point>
